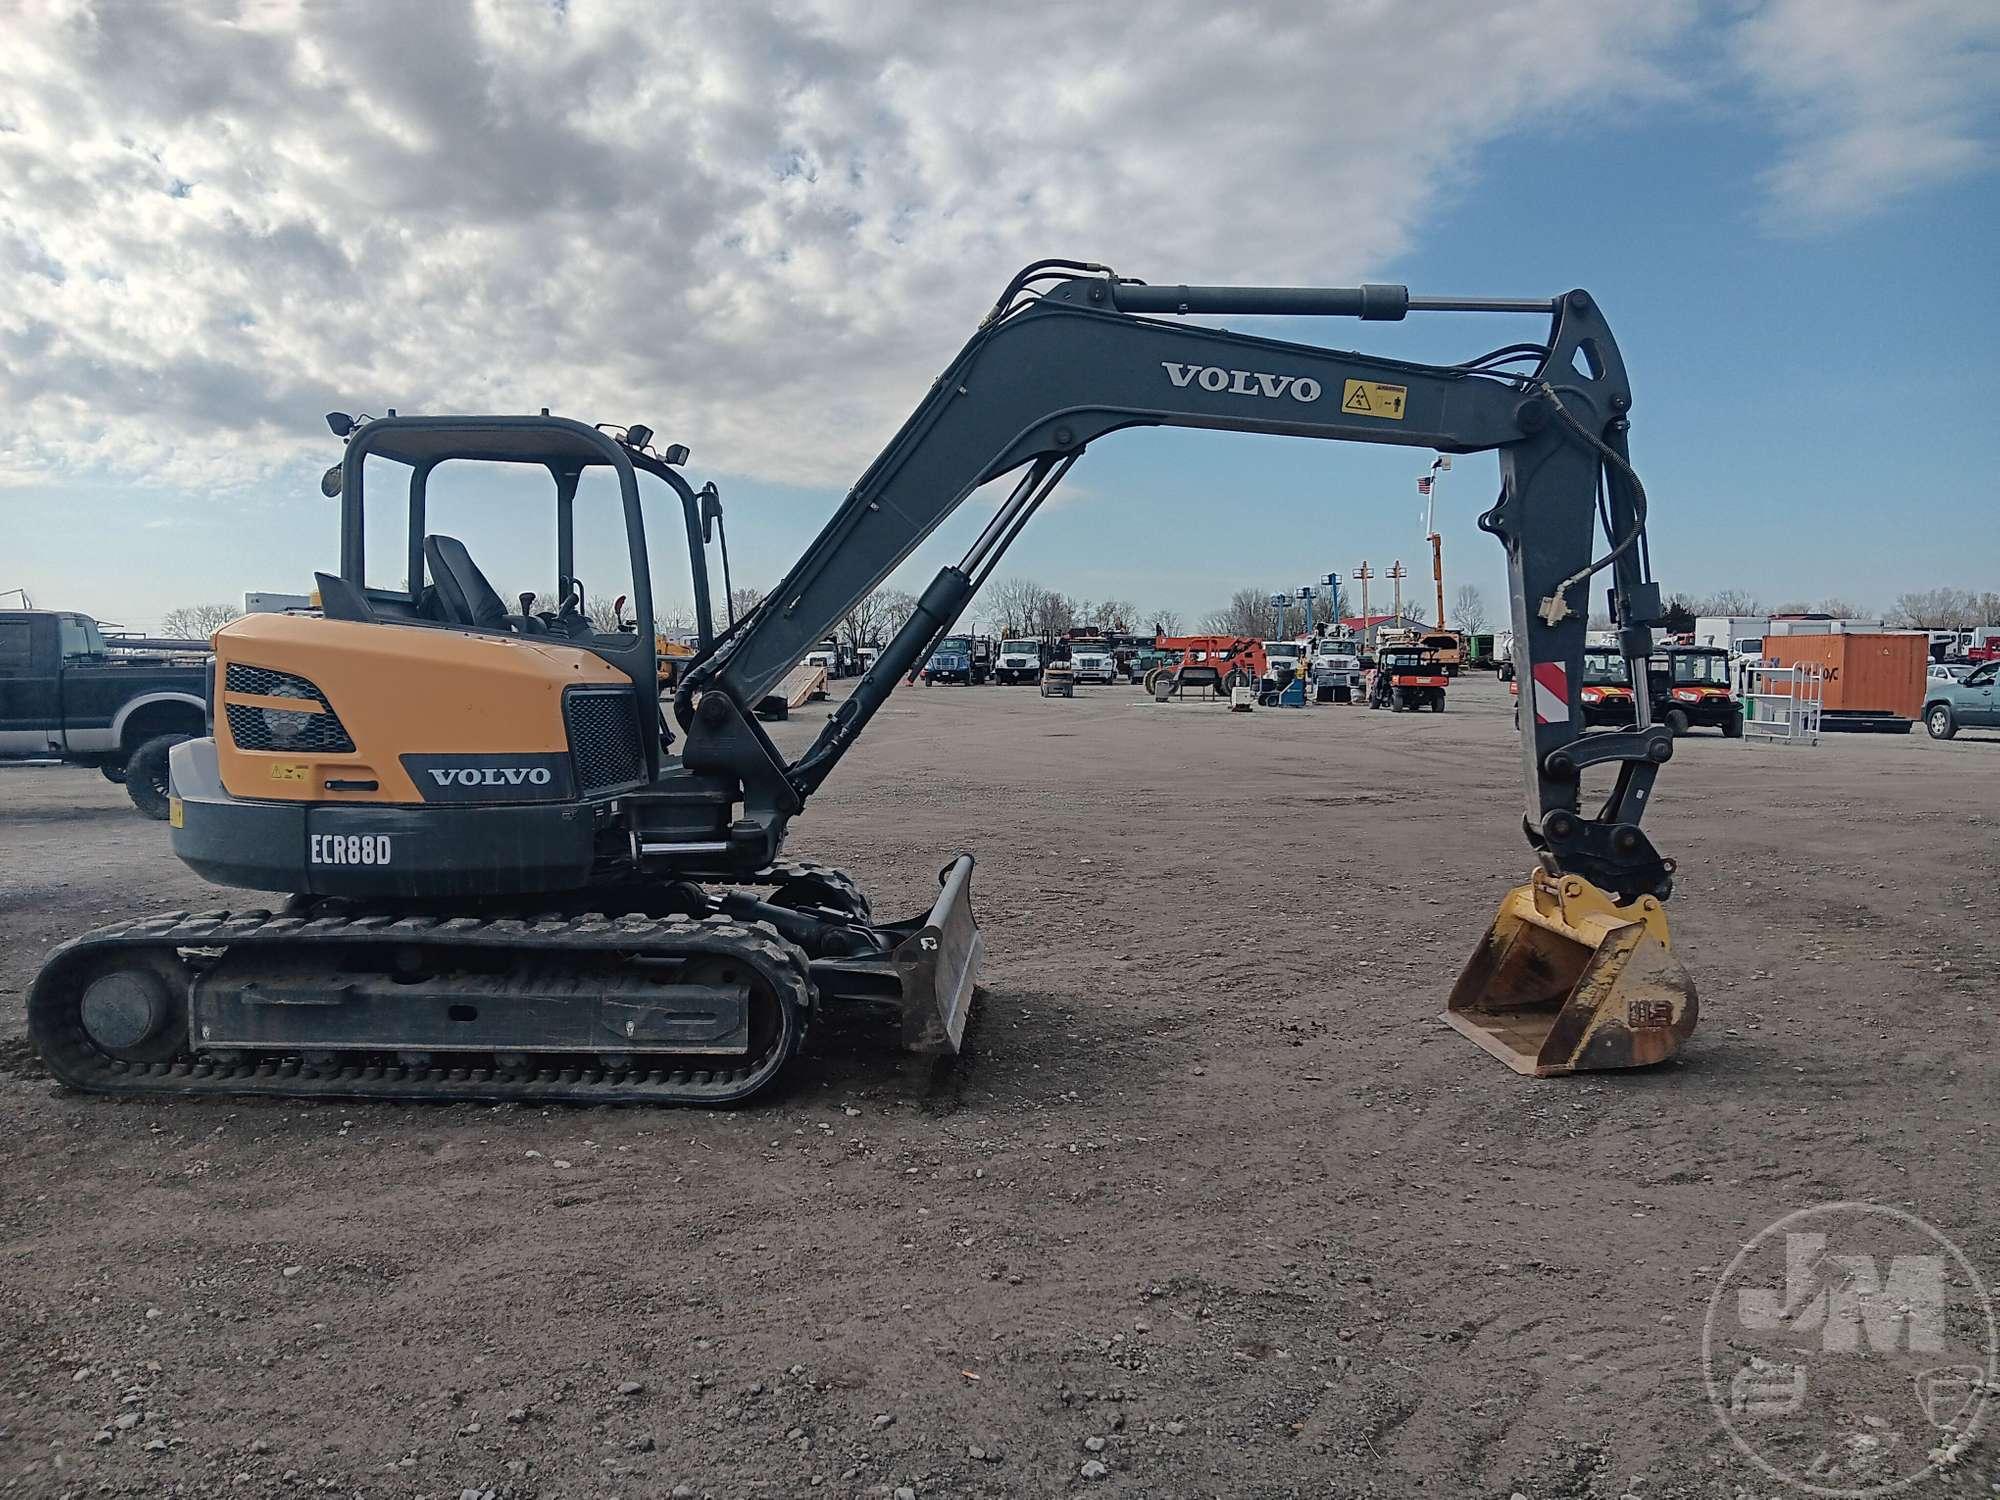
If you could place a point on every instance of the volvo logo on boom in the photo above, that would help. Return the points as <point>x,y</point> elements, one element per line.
<point>1242,382</point>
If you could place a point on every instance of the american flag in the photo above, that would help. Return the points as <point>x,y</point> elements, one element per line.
<point>1424,485</point>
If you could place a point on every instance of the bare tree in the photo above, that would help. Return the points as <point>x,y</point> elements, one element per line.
<point>1840,609</point>
<point>1468,609</point>
<point>1117,615</point>
<point>196,622</point>
<point>1166,622</point>
<point>897,607</point>
<point>1248,613</point>
<point>1986,609</point>
<point>1055,613</point>
<point>1730,602</point>
<point>862,625</point>
<point>1793,607</point>
<point>604,615</point>
<point>1015,603</point>
<point>1936,609</point>
<point>743,600</point>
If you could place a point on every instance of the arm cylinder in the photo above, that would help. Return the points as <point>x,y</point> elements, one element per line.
<point>1372,303</point>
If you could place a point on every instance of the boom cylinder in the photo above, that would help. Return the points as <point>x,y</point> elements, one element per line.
<point>936,612</point>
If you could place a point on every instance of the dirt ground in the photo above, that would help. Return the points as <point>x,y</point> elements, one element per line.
<point>1212,1184</point>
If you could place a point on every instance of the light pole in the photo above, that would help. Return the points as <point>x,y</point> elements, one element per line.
<point>1427,487</point>
<point>1278,603</point>
<point>1333,596</point>
<point>1367,632</point>
<point>1397,574</point>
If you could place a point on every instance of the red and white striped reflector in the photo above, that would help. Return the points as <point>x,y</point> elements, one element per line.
<point>1551,693</point>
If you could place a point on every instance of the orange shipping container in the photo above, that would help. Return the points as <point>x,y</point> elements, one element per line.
<point>1878,672</point>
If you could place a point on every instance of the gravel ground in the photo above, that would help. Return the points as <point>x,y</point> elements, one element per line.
<point>1212,1205</point>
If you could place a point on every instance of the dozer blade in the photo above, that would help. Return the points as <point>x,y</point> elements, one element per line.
<point>1567,980</point>
<point>937,964</point>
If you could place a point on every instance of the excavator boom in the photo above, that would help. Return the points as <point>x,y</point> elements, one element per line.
<point>1072,352</point>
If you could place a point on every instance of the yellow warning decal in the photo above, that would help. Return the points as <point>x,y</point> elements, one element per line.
<point>176,813</point>
<point>1370,398</point>
<point>289,770</point>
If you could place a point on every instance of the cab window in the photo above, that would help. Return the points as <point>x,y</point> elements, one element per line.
<point>79,638</point>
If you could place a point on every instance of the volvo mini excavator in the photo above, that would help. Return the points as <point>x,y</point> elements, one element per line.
<point>509,876</point>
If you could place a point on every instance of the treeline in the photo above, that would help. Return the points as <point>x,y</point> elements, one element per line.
<point>1923,609</point>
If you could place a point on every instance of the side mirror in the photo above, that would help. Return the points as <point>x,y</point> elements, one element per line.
<point>675,456</point>
<point>340,423</point>
<point>329,483</point>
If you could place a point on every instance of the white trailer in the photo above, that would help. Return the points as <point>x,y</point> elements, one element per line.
<point>1739,635</point>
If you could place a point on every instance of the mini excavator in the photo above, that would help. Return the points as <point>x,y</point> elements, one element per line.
<point>509,878</point>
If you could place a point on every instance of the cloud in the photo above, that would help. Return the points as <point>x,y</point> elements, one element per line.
<point>760,229</point>
<point>1874,100</point>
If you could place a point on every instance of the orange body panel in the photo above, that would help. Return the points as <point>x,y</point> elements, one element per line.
<point>1873,672</point>
<point>397,689</point>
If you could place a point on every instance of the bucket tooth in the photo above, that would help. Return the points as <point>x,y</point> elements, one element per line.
<point>1567,980</point>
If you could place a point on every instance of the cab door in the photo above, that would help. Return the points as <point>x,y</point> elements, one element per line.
<point>1975,701</point>
<point>30,686</point>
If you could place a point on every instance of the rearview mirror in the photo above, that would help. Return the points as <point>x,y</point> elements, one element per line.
<point>329,483</point>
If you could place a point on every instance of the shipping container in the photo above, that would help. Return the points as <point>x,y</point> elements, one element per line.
<point>1874,680</point>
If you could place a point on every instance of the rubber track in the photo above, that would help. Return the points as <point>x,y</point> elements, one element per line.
<point>57,1031</point>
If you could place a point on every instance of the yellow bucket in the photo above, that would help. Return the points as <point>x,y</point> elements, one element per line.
<point>1567,980</point>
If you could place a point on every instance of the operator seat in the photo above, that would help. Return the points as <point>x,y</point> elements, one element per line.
<point>465,595</point>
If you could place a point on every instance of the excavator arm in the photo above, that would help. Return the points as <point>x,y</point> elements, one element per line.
<point>1072,352</point>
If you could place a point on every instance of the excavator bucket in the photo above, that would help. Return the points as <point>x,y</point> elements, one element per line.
<point>938,963</point>
<point>1568,980</point>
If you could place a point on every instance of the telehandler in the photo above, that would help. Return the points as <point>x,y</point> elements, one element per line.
<point>508,877</point>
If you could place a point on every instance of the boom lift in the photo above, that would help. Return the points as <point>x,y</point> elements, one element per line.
<point>505,882</point>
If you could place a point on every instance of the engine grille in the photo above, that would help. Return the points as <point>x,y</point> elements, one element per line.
<point>604,742</point>
<point>255,727</point>
<point>268,683</point>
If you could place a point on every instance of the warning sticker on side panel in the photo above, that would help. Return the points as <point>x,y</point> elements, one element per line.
<point>1370,398</point>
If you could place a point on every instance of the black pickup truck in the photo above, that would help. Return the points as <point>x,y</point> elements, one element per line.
<point>69,694</point>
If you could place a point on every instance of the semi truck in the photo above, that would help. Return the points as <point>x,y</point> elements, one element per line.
<point>1021,659</point>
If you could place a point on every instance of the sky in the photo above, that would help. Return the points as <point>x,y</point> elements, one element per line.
<point>763,230</point>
